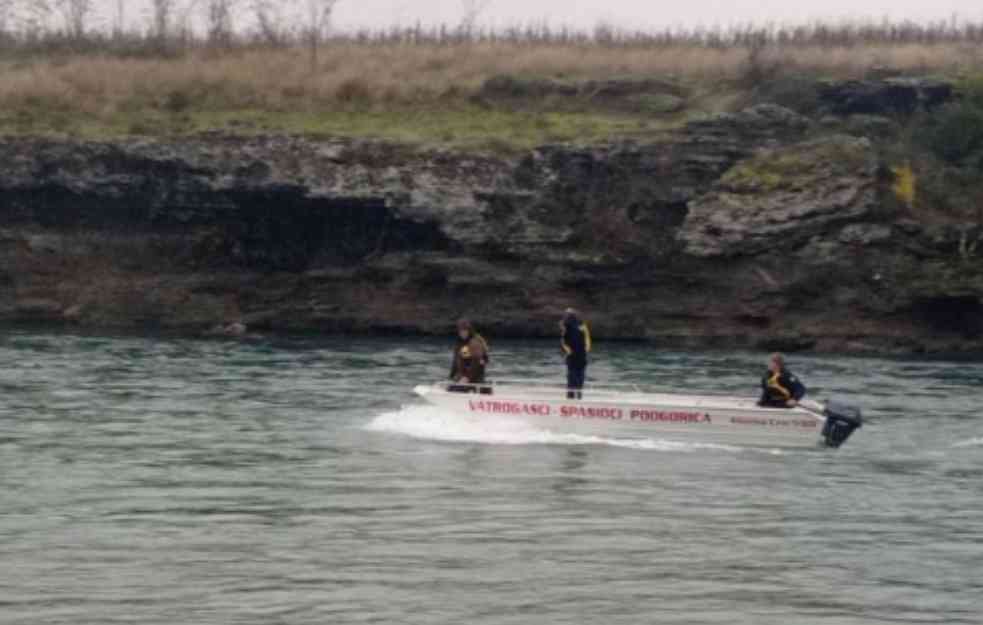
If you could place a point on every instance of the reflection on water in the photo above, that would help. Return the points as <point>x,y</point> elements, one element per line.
<point>148,480</point>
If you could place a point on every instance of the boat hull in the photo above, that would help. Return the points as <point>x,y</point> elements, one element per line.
<point>728,420</point>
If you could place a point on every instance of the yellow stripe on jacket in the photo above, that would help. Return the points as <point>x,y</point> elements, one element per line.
<point>587,340</point>
<point>774,383</point>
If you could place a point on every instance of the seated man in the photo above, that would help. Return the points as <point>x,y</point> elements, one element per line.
<point>780,388</point>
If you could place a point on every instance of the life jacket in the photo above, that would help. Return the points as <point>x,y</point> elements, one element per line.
<point>576,341</point>
<point>470,358</point>
<point>779,387</point>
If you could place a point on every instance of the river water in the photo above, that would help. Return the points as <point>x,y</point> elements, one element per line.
<point>161,480</point>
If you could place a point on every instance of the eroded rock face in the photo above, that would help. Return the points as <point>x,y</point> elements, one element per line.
<point>745,229</point>
<point>781,197</point>
<point>888,96</point>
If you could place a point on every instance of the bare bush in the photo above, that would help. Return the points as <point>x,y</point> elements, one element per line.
<point>471,13</point>
<point>219,21</point>
<point>6,14</point>
<point>269,22</point>
<point>35,18</point>
<point>75,14</point>
<point>119,19</point>
<point>163,14</point>
<point>319,13</point>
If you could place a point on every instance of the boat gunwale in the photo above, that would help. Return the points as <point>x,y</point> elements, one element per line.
<point>607,394</point>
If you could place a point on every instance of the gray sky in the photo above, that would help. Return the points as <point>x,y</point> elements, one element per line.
<point>652,13</point>
<point>584,14</point>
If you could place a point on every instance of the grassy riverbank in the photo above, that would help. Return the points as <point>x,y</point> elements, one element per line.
<point>422,92</point>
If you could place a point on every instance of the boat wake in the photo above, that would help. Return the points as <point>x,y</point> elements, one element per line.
<point>431,423</point>
<point>972,442</point>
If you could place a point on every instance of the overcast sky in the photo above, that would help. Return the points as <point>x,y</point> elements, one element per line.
<point>631,14</point>
<point>652,13</point>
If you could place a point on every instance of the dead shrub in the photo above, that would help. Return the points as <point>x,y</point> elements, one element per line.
<point>353,91</point>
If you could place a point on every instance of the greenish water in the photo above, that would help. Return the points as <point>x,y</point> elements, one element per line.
<point>153,480</point>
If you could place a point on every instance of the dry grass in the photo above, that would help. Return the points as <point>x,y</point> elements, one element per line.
<point>116,94</point>
<point>401,75</point>
<point>347,73</point>
<point>409,74</point>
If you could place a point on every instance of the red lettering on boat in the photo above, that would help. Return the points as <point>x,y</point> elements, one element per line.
<point>504,407</point>
<point>591,412</point>
<point>647,414</point>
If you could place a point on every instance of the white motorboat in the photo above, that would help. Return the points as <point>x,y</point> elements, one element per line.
<point>630,411</point>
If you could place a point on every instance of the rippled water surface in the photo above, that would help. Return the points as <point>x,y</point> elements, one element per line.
<point>157,480</point>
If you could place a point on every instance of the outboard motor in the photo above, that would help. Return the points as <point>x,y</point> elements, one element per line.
<point>841,420</point>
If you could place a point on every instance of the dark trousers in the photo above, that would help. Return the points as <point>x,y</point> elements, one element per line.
<point>461,388</point>
<point>773,402</point>
<point>575,381</point>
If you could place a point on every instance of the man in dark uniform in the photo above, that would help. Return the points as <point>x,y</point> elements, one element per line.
<point>780,388</point>
<point>470,359</point>
<point>576,343</point>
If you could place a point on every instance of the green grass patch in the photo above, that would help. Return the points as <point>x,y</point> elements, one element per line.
<point>798,166</point>
<point>465,126</point>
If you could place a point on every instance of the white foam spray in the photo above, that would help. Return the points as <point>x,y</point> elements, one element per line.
<point>432,423</point>
<point>972,442</point>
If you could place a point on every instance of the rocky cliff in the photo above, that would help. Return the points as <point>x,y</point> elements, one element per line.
<point>761,228</point>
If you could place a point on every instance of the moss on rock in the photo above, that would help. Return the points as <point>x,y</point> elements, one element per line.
<point>798,166</point>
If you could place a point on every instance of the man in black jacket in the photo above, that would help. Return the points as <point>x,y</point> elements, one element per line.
<point>780,388</point>
<point>576,343</point>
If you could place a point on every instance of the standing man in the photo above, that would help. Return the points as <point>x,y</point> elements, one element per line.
<point>470,359</point>
<point>576,343</point>
<point>780,388</point>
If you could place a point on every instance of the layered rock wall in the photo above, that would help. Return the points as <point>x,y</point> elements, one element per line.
<point>758,229</point>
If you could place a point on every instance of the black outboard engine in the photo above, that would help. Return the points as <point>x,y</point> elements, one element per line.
<point>841,420</point>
